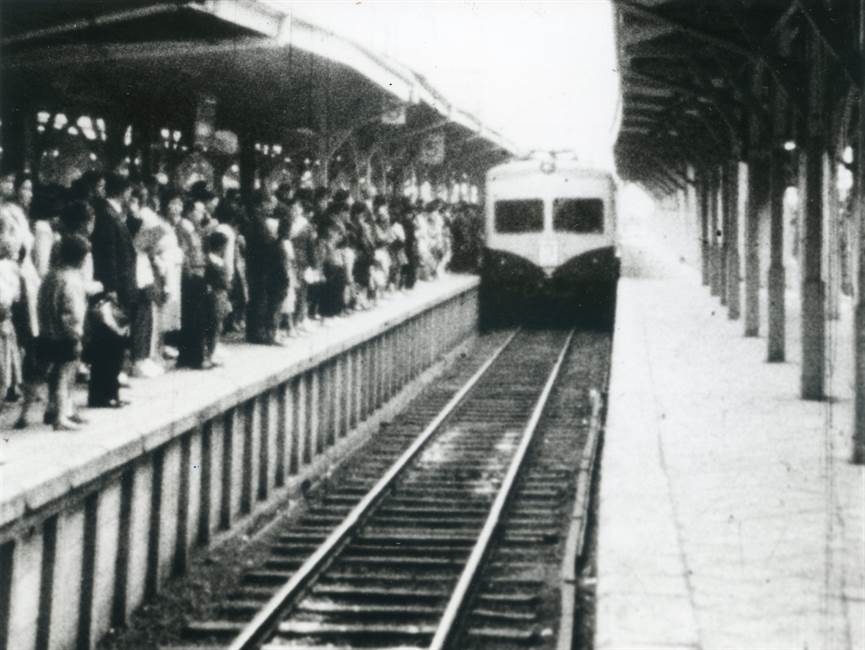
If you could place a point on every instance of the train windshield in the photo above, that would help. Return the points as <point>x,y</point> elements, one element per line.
<point>578,215</point>
<point>519,216</point>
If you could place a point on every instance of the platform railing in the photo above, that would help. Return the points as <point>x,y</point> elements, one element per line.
<point>77,566</point>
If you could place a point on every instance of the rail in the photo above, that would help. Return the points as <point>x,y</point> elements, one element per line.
<point>267,617</point>
<point>450,622</point>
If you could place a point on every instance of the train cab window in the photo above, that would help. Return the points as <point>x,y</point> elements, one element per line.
<point>578,215</point>
<point>519,216</point>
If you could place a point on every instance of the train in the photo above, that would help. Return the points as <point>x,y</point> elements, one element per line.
<point>550,252</point>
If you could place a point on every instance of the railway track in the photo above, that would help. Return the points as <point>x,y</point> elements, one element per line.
<point>432,543</point>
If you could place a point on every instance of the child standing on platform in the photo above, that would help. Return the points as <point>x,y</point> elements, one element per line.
<point>216,305</point>
<point>62,308</point>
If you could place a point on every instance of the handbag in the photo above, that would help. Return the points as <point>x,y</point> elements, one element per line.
<point>312,275</point>
<point>108,313</point>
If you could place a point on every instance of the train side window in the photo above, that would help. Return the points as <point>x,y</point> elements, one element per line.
<point>519,216</point>
<point>578,215</point>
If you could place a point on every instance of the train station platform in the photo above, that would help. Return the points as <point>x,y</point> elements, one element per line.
<point>730,515</point>
<point>93,521</point>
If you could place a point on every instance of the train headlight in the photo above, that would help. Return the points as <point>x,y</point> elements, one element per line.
<point>548,166</point>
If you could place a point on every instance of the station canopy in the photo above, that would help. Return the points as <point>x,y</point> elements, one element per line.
<point>696,78</point>
<point>271,75</point>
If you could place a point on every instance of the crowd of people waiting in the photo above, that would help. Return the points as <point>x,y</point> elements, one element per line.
<point>111,278</point>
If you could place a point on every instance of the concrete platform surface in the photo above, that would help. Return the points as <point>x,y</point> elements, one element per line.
<point>38,464</point>
<point>730,515</point>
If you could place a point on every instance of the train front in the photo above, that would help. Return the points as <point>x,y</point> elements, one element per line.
<point>550,256</point>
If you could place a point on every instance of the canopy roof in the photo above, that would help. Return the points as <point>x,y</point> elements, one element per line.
<point>273,74</point>
<point>695,77</point>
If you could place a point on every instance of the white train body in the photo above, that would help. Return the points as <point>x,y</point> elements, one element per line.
<point>587,195</point>
<point>550,234</point>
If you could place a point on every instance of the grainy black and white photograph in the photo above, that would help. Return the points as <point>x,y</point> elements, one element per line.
<point>432,325</point>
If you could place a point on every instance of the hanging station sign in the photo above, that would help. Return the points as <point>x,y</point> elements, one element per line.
<point>393,111</point>
<point>224,142</point>
<point>205,120</point>
<point>432,148</point>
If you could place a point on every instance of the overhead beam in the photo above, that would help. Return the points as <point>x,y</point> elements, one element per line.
<point>687,153</point>
<point>111,18</point>
<point>407,135</point>
<point>764,55</point>
<point>643,115</point>
<point>658,51</point>
<point>710,128</point>
<point>639,117</point>
<point>781,23</point>
<point>700,75</point>
<point>687,144</point>
<point>643,105</point>
<point>248,14</point>
<point>824,28</point>
<point>635,9</point>
<point>645,33</point>
<point>743,90</point>
<point>124,52</point>
<point>689,131</point>
<point>643,90</point>
<point>668,83</point>
<point>470,159</point>
<point>639,130</point>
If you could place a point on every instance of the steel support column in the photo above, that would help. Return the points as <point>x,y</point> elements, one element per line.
<point>859,313</point>
<point>777,288</point>
<point>758,189</point>
<point>704,192</point>
<point>831,256</point>
<point>715,229</point>
<point>723,231</point>
<point>692,217</point>
<point>731,237</point>
<point>813,289</point>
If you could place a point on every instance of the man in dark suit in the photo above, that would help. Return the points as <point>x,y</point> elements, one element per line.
<point>113,266</point>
